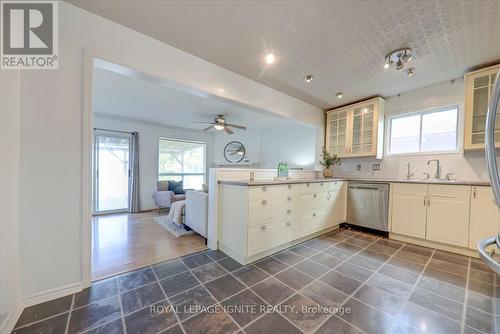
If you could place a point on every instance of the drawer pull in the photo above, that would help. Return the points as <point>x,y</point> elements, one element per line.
<point>307,184</point>
<point>321,184</point>
<point>264,202</point>
<point>289,211</point>
<point>314,195</point>
<point>289,199</point>
<point>288,223</point>
<point>314,215</point>
<point>264,188</point>
<point>289,186</point>
<point>263,227</point>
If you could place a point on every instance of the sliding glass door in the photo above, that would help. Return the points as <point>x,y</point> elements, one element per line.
<point>111,171</point>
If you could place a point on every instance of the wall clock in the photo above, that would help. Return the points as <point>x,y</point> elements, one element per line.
<point>234,152</point>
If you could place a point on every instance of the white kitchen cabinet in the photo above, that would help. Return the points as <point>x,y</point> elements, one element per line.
<point>336,204</point>
<point>409,209</point>
<point>478,86</point>
<point>356,130</point>
<point>484,215</point>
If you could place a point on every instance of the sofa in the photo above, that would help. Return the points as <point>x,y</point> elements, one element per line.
<point>196,214</point>
<point>163,197</point>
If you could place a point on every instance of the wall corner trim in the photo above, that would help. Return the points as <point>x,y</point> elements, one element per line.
<point>51,294</point>
<point>8,325</point>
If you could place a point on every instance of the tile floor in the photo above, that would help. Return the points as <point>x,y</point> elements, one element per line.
<point>341,282</point>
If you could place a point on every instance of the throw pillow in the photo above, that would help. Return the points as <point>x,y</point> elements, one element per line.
<point>176,187</point>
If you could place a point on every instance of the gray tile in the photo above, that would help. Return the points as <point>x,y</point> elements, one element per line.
<point>479,301</point>
<point>338,253</point>
<point>144,296</point>
<point>359,241</point>
<point>94,315</point>
<point>210,323</point>
<point>196,260</point>
<point>113,327</point>
<point>382,249</point>
<point>425,251</point>
<point>375,256</point>
<point>54,325</point>
<point>303,250</point>
<point>448,267</point>
<point>482,287</point>
<point>224,287</point>
<point>407,265</point>
<point>215,254</point>
<point>445,277</point>
<point>174,330</point>
<point>150,320</point>
<point>441,288</point>
<point>294,278</point>
<point>324,295</point>
<point>365,262</point>
<point>379,299</point>
<point>390,285</point>
<point>44,310</point>
<point>300,311</point>
<point>451,257</point>
<point>327,240</point>
<point>337,325</point>
<point>389,243</point>
<point>484,276</point>
<point>271,265</point>
<point>436,303</point>
<point>169,268</point>
<point>272,291</point>
<point>326,260</point>
<point>366,318</point>
<point>368,236</point>
<point>136,279</point>
<point>97,291</point>
<point>348,247</point>
<point>416,315</point>
<point>189,302</point>
<point>412,257</point>
<point>272,323</point>
<point>209,272</point>
<point>361,274</point>
<point>399,274</point>
<point>247,305</point>
<point>341,282</point>
<point>179,283</point>
<point>480,320</point>
<point>230,264</point>
<point>316,244</point>
<point>311,268</point>
<point>250,275</point>
<point>288,257</point>
<point>478,264</point>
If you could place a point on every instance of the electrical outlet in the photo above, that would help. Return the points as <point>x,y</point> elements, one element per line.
<point>375,167</point>
<point>252,176</point>
<point>358,167</point>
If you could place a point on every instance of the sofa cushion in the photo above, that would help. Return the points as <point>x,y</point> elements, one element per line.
<point>176,187</point>
<point>180,197</point>
<point>162,185</point>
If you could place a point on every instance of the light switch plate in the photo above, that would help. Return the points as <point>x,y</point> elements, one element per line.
<point>376,167</point>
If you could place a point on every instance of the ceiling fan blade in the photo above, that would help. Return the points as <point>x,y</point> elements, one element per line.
<point>203,122</point>
<point>237,126</point>
<point>228,130</point>
<point>210,127</point>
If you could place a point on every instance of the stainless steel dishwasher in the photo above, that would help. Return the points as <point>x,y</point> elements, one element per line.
<point>368,205</point>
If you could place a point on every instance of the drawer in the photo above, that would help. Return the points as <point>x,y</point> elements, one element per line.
<point>291,189</point>
<point>264,209</point>
<point>335,185</point>
<point>313,200</point>
<point>312,221</point>
<point>288,230</point>
<point>410,189</point>
<point>265,192</point>
<point>444,190</point>
<point>313,187</point>
<point>262,237</point>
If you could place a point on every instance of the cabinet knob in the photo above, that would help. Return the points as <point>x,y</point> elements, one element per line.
<point>307,184</point>
<point>314,215</point>
<point>289,211</point>
<point>314,195</point>
<point>263,227</point>
<point>289,186</point>
<point>321,184</point>
<point>289,198</point>
<point>288,223</point>
<point>264,188</point>
<point>264,202</point>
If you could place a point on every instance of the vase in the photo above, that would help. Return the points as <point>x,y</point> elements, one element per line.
<point>328,173</point>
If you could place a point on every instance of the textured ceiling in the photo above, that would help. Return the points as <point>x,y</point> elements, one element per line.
<point>341,43</point>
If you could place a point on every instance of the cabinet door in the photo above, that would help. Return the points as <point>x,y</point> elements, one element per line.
<point>335,207</point>
<point>448,217</point>
<point>262,237</point>
<point>363,130</point>
<point>337,132</point>
<point>409,214</point>
<point>479,86</point>
<point>484,215</point>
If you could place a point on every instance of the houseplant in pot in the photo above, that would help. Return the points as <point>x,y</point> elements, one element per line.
<point>328,161</point>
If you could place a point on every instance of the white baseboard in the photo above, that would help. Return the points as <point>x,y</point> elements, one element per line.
<point>51,294</point>
<point>10,321</point>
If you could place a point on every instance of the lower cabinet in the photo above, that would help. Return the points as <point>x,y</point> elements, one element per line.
<point>262,237</point>
<point>336,203</point>
<point>409,209</point>
<point>484,215</point>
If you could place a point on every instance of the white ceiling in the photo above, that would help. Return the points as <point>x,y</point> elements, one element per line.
<point>147,99</point>
<point>341,43</point>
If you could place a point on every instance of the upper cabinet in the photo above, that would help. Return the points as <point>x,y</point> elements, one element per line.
<point>478,87</point>
<point>356,130</point>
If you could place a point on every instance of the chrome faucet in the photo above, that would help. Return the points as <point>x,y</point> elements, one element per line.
<point>437,176</point>
<point>409,174</point>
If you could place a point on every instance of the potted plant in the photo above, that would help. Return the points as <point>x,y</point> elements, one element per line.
<point>328,161</point>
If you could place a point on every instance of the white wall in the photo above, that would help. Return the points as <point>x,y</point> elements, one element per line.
<point>148,148</point>
<point>250,139</point>
<point>466,166</point>
<point>52,119</point>
<point>9,199</point>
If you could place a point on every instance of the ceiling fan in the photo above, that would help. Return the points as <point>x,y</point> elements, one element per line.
<point>220,123</point>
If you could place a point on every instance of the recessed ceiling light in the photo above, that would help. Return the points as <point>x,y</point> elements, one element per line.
<point>339,95</point>
<point>308,78</point>
<point>270,58</point>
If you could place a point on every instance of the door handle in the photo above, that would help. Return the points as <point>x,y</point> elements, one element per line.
<point>474,193</point>
<point>489,139</point>
<point>288,224</point>
<point>263,227</point>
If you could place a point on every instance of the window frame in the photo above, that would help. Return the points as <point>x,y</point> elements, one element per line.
<point>204,174</point>
<point>421,113</point>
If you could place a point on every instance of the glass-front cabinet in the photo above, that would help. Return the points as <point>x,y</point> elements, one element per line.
<point>478,87</point>
<point>356,130</point>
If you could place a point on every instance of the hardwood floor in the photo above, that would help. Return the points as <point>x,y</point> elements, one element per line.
<point>123,242</point>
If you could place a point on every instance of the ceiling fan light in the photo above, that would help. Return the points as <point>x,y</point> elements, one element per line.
<point>218,127</point>
<point>399,65</point>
